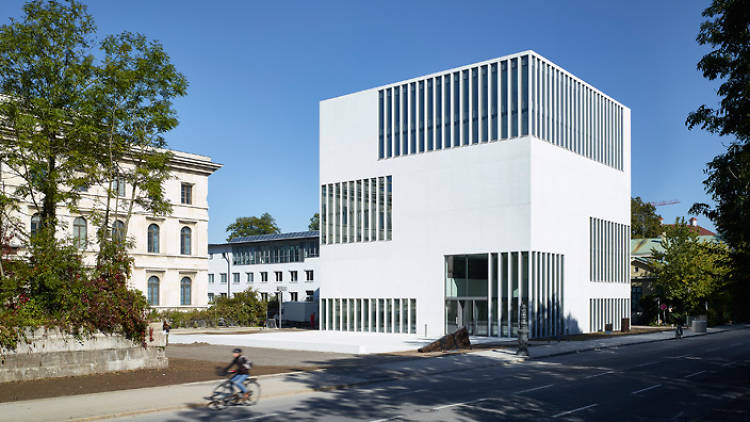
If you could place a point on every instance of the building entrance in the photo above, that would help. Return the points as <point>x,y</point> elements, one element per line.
<point>469,313</point>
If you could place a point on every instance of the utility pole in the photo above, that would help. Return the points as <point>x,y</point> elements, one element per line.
<point>225,255</point>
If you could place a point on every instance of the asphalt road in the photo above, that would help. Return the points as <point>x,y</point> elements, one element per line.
<point>699,378</point>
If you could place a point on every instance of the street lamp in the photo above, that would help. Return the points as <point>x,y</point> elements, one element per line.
<point>280,292</point>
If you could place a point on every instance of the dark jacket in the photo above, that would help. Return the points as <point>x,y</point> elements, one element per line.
<point>242,363</point>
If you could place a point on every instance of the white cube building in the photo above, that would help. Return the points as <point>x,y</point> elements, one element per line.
<point>449,200</point>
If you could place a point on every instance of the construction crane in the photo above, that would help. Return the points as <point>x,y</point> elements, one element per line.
<point>663,203</point>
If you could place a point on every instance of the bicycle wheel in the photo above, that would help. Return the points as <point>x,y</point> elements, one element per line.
<point>221,396</point>
<point>254,389</point>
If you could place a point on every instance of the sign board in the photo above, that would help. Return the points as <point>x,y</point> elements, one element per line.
<point>281,288</point>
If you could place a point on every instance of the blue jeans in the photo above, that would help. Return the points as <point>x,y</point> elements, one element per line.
<point>238,380</point>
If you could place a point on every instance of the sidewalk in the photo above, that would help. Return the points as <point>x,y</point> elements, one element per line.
<point>157,399</point>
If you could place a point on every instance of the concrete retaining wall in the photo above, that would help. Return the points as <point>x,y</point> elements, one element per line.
<point>49,353</point>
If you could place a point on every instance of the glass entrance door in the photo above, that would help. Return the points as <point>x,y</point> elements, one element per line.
<point>469,313</point>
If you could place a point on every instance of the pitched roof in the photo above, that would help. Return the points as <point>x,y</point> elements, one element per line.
<point>644,247</point>
<point>277,236</point>
<point>702,231</point>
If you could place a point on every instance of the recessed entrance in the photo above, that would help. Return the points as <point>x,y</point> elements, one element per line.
<point>469,313</point>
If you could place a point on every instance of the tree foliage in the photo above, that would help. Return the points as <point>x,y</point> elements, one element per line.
<point>689,271</point>
<point>727,31</point>
<point>314,222</point>
<point>644,222</point>
<point>251,226</point>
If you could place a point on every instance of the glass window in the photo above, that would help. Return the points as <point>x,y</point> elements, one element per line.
<point>279,275</point>
<point>421,116</point>
<point>293,275</point>
<point>465,107</point>
<point>236,278</point>
<point>250,277</point>
<point>185,291</point>
<point>474,106</point>
<point>388,315</point>
<point>323,215</point>
<point>263,276</point>
<point>186,196</point>
<point>381,208</point>
<point>438,112</point>
<point>119,187</point>
<point>79,232</point>
<point>118,231</point>
<point>359,210</point>
<point>514,98</point>
<point>381,126</point>
<point>153,290</point>
<point>185,240</point>
<point>293,296</point>
<point>223,278</point>
<point>485,103</point>
<point>388,124</point>
<point>381,316</point>
<point>389,211</point>
<point>504,99</point>
<point>413,117</point>
<point>447,113</point>
<point>404,120</point>
<point>413,316</point>
<point>210,298</point>
<point>525,96</point>
<point>210,279</point>
<point>36,224</point>
<point>309,276</point>
<point>153,238</point>
<point>366,212</point>
<point>493,101</point>
<point>396,122</point>
<point>430,108</point>
<point>456,108</point>
<point>396,315</point>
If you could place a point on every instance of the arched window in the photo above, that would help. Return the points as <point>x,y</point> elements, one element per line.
<point>185,240</point>
<point>118,231</point>
<point>185,291</point>
<point>36,224</point>
<point>79,232</point>
<point>153,238</point>
<point>153,290</point>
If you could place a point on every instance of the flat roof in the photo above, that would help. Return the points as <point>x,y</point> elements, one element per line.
<point>312,234</point>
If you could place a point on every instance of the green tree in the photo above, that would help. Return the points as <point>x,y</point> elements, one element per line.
<point>132,98</point>
<point>45,71</point>
<point>644,222</point>
<point>251,226</point>
<point>314,222</point>
<point>727,32</point>
<point>689,271</point>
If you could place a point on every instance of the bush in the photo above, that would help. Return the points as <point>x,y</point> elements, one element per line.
<point>244,309</point>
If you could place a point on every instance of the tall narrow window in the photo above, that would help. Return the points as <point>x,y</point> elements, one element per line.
<point>421,116</point>
<point>438,113</point>
<point>118,185</point>
<point>186,194</point>
<point>430,109</point>
<point>389,225</point>
<point>474,106</point>
<point>525,95</point>
<point>118,231</point>
<point>185,291</point>
<point>504,100</point>
<point>153,238</point>
<point>465,107</point>
<point>447,113</point>
<point>323,215</point>
<point>493,101</point>
<point>514,98</point>
<point>404,120</point>
<point>381,126</point>
<point>153,291</point>
<point>456,109</point>
<point>381,208</point>
<point>485,103</point>
<point>185,241</point>
<point>396,122</point>
<point>389,123</point>
<point>413,117</point>
<point>79,232</point>
<point>36,224</point>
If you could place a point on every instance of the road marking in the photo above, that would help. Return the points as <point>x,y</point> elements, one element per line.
<point>599,375</point>
<point>646,364</point>
<point>387,419</point>
<point>568,412</point>
<point>484,409</point>
<point>534,389</point>
<point>256,417</point>
<point>646,389</point>
<point>445,406</point>
<point>692,375</point>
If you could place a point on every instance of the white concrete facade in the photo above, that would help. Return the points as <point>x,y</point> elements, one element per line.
<point>167,261</point>
<point>522,194</point>
<point>229,272</point>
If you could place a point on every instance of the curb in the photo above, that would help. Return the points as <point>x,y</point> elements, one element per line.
<point>588,349</point>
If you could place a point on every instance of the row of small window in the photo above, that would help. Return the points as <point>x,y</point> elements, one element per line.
<point>609,248</point>
<point>80,234</point>
<point>604,311</point>
<point>369,315</point>
<point>264,296</point>
<point>357,210</point>
<point>250,277</point>
<point>495,101</point>
<point>186,288</point>
<point>282,253</point>
<point>118,186</point>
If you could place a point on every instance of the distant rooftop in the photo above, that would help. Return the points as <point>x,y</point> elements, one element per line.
<point>314,234</point>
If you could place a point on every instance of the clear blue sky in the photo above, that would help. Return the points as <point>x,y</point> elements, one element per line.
<point>258,70</point>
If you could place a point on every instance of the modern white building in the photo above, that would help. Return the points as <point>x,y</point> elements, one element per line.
<point>448,200</point>
<point>169,252</point>
<point>271,264</point>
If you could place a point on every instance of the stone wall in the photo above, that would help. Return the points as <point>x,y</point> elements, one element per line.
<point>49,353</point>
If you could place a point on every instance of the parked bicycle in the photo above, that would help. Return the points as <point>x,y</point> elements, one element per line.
<point>227,394</point>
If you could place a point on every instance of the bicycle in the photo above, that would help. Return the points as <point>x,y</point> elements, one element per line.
<point>225,395</point>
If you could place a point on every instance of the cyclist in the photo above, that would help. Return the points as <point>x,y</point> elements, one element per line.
<point>243,365</point>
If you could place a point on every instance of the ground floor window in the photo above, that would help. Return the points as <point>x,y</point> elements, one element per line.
<point>185,291</point>
<point>293,296</point>
<point>153,290</point>
<point>382,315</point>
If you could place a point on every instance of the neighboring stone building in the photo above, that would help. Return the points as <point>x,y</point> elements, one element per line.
<point>271,264</point>
<point>170,252</point>
<point>641,275</point>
